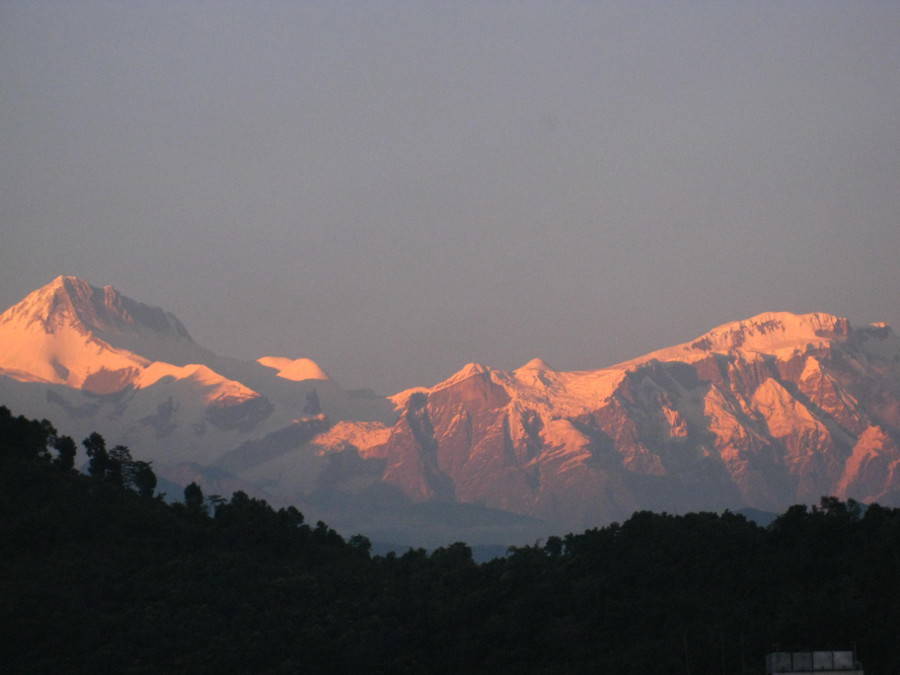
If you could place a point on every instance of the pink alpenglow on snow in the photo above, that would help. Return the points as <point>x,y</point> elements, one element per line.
<point>764,412</point>
<point>296,370</point>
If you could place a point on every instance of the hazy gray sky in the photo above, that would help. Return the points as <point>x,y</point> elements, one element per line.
<point>397,188</point>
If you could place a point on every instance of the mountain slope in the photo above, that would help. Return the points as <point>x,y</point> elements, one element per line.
<point>762,413</point>
<point>757,413</point>
<point>85,325</point>
<point>95,359</point>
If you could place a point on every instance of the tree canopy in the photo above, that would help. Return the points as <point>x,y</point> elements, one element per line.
<point>98,575</point>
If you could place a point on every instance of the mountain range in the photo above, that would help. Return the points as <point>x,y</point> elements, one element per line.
<point>761,413</point>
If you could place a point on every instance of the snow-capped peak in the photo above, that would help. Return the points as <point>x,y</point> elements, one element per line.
<point>70,332</point>
<point>535,364</point>
<point>401,398</point>
<point>70,300</point>
<point>294,369</point>
<point>773,330</point>
<point>778,334</point>
<point>71,304</point>
<point>464,373</point>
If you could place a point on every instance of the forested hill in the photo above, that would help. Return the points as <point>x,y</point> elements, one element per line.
<point>97,575</point>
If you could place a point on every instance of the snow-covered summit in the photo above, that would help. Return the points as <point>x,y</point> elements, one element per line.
<point>70,300</point>
<point>96,339</point>
<point>771,410</point>
<point>464,373</point>
<point>536,363</point>
<point>296,370</point>
<point>71,304</point>
<point>779,334</point>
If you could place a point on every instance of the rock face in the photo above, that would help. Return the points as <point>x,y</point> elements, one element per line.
<point>774,410</point>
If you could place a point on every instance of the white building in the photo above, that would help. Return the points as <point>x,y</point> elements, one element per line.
<point>834,662</point>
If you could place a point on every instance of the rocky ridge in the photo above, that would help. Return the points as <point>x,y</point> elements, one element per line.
<point>765,412</point>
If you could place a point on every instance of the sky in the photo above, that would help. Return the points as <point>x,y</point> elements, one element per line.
<point>395,189</point>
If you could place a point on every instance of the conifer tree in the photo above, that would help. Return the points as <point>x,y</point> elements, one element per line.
<point>67,449</point>
<point>193,496</point>
<point>95,445</point>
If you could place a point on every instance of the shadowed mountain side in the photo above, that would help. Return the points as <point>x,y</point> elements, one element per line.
<point>345,485</point>
<point>252,453</point>
<point>168,422</point>
<point>386,514</point>
<point>212,480</point>
<point>292,394</point>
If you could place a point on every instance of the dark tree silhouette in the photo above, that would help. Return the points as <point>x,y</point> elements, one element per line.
<point>66,449</point>
<point>141,477</point>
<point>95,445</point>
<point>24,438</point>
<point>193,497</point>
<point>361,543</point>
<point>119,464</point>
<point>167,588</point>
